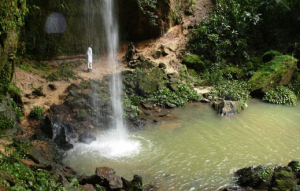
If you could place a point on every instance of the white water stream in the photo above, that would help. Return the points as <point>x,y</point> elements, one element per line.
<point>116,142</point>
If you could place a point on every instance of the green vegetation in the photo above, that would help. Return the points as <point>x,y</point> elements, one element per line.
<point>36,113</point>
<point>64,72</point>
<point>5,124</point>
<point>130,107</point>
<point>184,95</point>
<point>217,73</point>
<point>84,84</point>
<point>238,28</point>
<point>281,95</point>
<point>23,177</point>
<point>232,90</point>
<point>231,40</point>
<point>264,173</point>
<point>12,16</point>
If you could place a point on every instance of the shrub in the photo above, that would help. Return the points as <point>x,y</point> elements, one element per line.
<point>225,33</point>
<point>37,112</point>
<point>281,95</point>
<point>184,94</point>
<point>237,28</point>
<point>232,90</point>
<point>25,178</point>
<point>22,148</point>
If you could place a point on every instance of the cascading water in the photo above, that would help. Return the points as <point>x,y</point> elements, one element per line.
<point>115,143</point>
<point>112,35</point>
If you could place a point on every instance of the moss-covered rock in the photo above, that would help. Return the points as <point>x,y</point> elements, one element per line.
<point>283,179</point>
<point>9,116</point>
<point>149,81</point>
<point>278,71</point>
<point>227,107</point>
<point>268,56</point>
<point>193,61</point>
<point>253,176</point>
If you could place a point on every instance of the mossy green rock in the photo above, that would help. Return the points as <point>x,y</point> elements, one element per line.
<point>278,71</point>
<point>283,179</point>
<point>149,81</point>
<point>193,61</point>
<point>268,56</point>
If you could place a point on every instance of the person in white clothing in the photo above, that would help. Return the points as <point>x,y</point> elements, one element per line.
<point>90,57</point>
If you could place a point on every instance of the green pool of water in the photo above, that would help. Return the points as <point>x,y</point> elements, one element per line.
<point>200,150</point>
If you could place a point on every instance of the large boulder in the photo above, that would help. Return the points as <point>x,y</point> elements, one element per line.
<point>283,179</point>
<point>276,72</point>
<point>193,61</point>
<point>149,81</point>
<point>61,138</point>
<point>109,177</point>
<point>59,130</point>
<point>227,107</point>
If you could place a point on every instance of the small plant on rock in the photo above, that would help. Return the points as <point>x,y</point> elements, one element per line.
<point>281,95</point>
<point>36,113</point>
<point>5,124</point>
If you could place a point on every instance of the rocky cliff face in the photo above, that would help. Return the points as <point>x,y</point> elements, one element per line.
<point>63,27</point>
<point>137,25</point>
<point>83,24</point>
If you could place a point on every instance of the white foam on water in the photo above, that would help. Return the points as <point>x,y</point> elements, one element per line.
<point>109,145</point>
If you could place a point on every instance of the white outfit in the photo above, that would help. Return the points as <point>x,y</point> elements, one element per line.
<point>90,58</point>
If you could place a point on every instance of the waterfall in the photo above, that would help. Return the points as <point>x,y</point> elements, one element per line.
<point>108,11</point>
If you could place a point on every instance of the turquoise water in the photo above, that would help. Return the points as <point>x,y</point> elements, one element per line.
<point>200,150</point>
